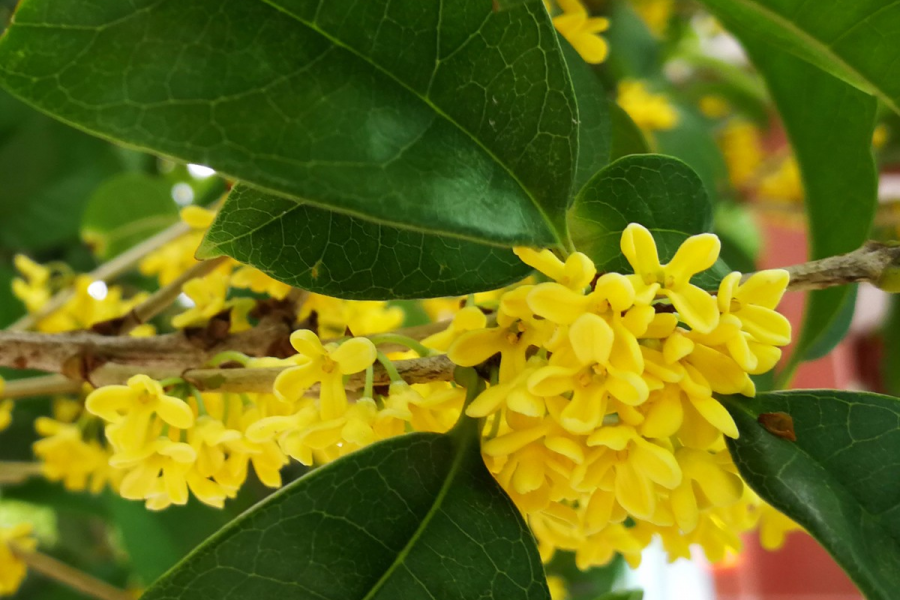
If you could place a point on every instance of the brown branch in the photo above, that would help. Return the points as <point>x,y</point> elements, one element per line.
<point>13,473</point>
<point>70,576</point>
<point>876,263</point>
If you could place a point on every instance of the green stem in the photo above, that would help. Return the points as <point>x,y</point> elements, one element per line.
<point>390,368</point>
<point>402,340</point>
<point>229,356</point>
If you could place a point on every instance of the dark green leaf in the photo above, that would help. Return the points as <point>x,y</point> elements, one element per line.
<point>125,210</point>
<point>634,50</point>
<point>418,516</point>
<point>393,110</point>
<point>854,40</point>
<point>830,126</point>
<point>594,128</point>
<point>47,172</point>
<point>890,362</point>
<point>335,254</point>
<point>626,136</point>
<point>660,192</point>
<point>840,480</point>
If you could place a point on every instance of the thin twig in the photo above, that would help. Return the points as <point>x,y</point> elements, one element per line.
<point>162,298</point>
<point>106,272</point>
<point>876,263</point>
<point>12,473</point>
<point>70,576</point>
<point>46,385</point>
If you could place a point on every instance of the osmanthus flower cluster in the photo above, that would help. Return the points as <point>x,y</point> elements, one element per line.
<point>602,423</point>
<point>600,419</point>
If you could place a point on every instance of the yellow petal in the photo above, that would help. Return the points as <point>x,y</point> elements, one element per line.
<point>307,343</point>
<point>635,492</point>
<point>592,48</point>
<point>724,375</point>
<point>543,260</point>
<point>175,412</point>
<point>565,446</point>
<point>766,325</point>
<point>475,347</point>
<point>109,402</point>
<point>507,444</point>
<point>656,463</point>
<point>627,387</point>
<point>727,288</point>
<point>584,412</point>
<point>696,254</point>
<point>664,415</point>
<point>615,437</point>
<point>716,415</point>
<point>764,288</point>
<point>695,307</point>
<point>291,384</point>
<point>684,506</point>
<point>662,326</point>
<point>640,250</point>
<point>579,271</point>
<point>591,338</point>
<point>488,401</point>
<point>354,355</point>
<point>556,302</point>
<point>676,347</point>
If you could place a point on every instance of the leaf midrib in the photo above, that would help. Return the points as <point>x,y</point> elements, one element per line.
<point>821,46</point>
<point>461,445</point>
<point>551,227</point>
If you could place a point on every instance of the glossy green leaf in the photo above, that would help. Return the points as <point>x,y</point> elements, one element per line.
<point>627,138</point>
<point>125,210</point>
<point>840,480</point>
<point>855,40</point>
<point>660,192</point>
<point>418,516</point>
<point>47,173</point>
<point>594,127</point>
<point>393,110</point>
<point>830,127</point>
<point>339,255</point>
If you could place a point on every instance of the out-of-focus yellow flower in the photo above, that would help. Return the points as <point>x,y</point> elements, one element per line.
<point>655,14</point>
<point>558,588</point>
<point>649,111</point>
<point>13,568</point>
<point>581,30</point>
<point>880,136</point>
<point>33,290</point>
<point>774,527</point>
<point>210,297</point>
<point>714,107</point>
<point>743,151</point>
<point>784,184</point>
<point>257,281</point>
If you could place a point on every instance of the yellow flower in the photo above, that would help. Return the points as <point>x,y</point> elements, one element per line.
<point>650,112</point>
<point>467,319</point>
<point>209,295</point>
<point>12,568</point>
<point>714,107</point>
<point>697,253</point>
<point>255,280</point>
<point>130,409</point>
<point>558,588</point>
<point>6,408</point>
<point>774,527</point>
<point>34,290</point>
<point>576,273</point>
<point>511,342</point>
<point>580,29</point>
<point>707,483</point>
<point>67,457</point>
<point>743,151</point>
<point>655,13</point>
<point>325,365</point>
<point>784,184</point>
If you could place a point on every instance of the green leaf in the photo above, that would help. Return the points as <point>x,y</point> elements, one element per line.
<point>125,210</point>
<point>838,480</point>
<point>335,254</point>
<point>588,584</point>
<point>48,172</point>
<point>391,110</point>
<point>839,176</point>
<point>626,135</point>
<point>660,192</point>
<point>855,41</point>
<point>594,127</point>
<point>418,516</point>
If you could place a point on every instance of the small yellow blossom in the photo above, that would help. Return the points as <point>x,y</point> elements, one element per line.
<point>260,283</point>
<point>655,14</point>
<point>581,30</point>
<point>784,183</point>
<point>650,112</point>
<point>325,365</point>
<point>714,107</point>
<point>210,297</point>
<point>742,148</point>
<point>13,568</point>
